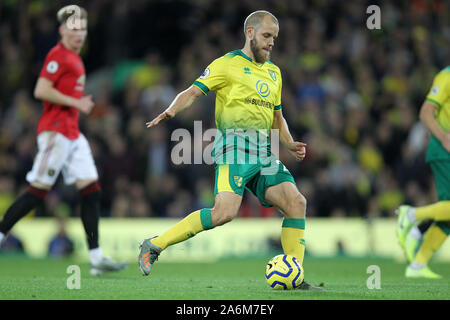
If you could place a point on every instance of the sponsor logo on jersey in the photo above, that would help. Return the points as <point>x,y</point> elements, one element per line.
<point>259,102</point>
<point>262,88</point>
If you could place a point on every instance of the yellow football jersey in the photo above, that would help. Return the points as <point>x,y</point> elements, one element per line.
<point>247,93</point>
<point>439,96</point>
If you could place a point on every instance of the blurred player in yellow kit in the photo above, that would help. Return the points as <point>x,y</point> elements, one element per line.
<point>248,97</point>
<point>419,248</point>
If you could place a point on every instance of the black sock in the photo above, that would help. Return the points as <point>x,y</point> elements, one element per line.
<point>90,212</point>
<point>424,225</point>
<point>23,204</point>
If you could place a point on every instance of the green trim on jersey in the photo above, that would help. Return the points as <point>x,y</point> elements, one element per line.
<point>202,87</point>
<point>239,53</point>
<point>437,104</point>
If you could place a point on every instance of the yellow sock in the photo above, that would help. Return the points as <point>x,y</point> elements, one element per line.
<point>432,241</point>
<point>292,238</point>
<point>439,211</point>
<point>194,223</point>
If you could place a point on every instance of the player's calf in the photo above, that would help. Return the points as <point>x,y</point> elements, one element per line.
<point>90,212</point>
<point>24,204</point>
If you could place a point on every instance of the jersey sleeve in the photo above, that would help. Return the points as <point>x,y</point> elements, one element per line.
<point>214,77</point>
<point>439,92</point>
<point>278,105</point>
<point>53,67</point>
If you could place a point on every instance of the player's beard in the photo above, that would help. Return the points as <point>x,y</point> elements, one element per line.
<point>258,53</point>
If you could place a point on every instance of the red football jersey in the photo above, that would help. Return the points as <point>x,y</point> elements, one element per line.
<point>66,70</point>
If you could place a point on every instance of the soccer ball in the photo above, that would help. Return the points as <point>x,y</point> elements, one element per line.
<point>284,272</point>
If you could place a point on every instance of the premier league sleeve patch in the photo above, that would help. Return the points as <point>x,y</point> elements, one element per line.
<point>205,74</point>
<point>52,66</point>
<point>435,90</point>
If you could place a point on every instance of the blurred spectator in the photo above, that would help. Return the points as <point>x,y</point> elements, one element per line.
<point>11,244</point>
<point>60,245</point>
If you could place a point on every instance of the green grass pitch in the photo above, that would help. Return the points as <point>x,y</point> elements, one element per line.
<point>230,279</point>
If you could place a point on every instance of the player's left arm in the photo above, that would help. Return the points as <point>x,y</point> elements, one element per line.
<point>435,99</point>
<point>296,148</point>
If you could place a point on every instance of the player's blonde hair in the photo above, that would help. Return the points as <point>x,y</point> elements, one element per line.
<point>68,11</point>
<point>255,18</point>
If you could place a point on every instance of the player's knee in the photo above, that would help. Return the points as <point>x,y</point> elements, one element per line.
<point>297,207</point>
<point>226,208</point>
<point>83,184</point>
<point>40,186</point>
<point>221,215</point>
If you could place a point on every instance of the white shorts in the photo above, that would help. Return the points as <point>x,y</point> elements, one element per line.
<point>56,153</point>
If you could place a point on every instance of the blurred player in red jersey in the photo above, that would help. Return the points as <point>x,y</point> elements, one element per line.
<point>61,145</point>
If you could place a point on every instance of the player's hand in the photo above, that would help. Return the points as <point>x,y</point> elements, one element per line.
<point>298,150</point>
<point>85,104</point>
<point>166,115</point>
<point>446,141</point>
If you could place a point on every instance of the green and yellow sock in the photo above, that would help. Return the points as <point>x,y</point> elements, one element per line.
<point>439,211</point>
<point>292,238</point>
<point>432,241</point>
<point>194,223</point>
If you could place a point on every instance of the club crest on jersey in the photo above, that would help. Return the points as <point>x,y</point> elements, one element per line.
<point>205,74</point>
<point>262,88</point>
<point>237,181</point>
<point>272,75</point>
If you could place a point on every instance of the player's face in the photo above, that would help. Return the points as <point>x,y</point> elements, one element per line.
<point>74,34</point>
<point>264,40</point>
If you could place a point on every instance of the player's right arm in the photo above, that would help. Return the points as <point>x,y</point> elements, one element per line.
<point>45,91</point>
<point>213,78</point>
<point>182,101</point>
<point>437,96</point>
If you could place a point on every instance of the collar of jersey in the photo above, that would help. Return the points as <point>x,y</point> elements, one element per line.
<point>249,59</point>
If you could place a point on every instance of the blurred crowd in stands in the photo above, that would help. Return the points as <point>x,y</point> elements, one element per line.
<point>352,94</point>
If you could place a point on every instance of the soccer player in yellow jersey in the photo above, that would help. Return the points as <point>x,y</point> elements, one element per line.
<point>248,97</point>
<point>435,114</point>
